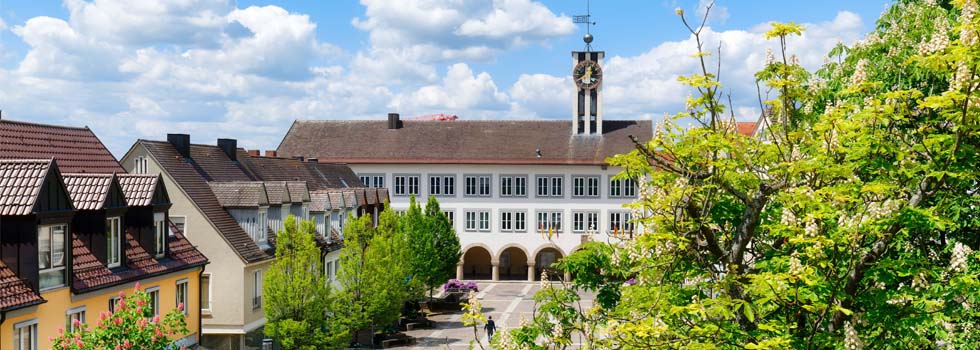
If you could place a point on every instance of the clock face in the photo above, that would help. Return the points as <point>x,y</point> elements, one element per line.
<point>587,74</point>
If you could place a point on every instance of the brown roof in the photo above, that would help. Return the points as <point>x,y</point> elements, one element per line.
<point>77,150</point>
<point>336,175</point>
<point>138,188</point>
<point>14,292</point>
<point>187,175</point>
<point>249,194</point>
<point>276,192</point>
<point>89,273</point>
<point>460,142</point>
<point>336,200</point>
<point>215,165</point>
<point>745,128</point>
<point>350,198</point>
<point>320,201</point>
<point>383,195</point>
<point>88,191</point>
<point>20,184</point>
<point>317,175</point>
<point>298,192</point>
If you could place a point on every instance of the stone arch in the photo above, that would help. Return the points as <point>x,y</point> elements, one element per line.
<point>513,261</point>
<point>477,262</point>
<point>544,257</point>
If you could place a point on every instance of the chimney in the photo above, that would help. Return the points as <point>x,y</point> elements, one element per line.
<point>181,142</point>
<point>230,147</point>
<point>312,160</point>
<point>270,154</point>
<point>393,121</point>
<point>253,152</point>
<point>299,158</point>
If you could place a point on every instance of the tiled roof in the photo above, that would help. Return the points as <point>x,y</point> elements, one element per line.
<point>215,165</point>
<point>298,191</point>
<point>187,175</point>
<point>77,150</point>
<point>276,192</point>
<point>20,184</point>
<point>317,175</point>
<point>336,199</point>
<point>240,194</point>
<point>320,201</point>
<point>88,191</point>
<point>745,128</point>
<point>350,198</point>
<point>383,195</point>
<point>138,188</point>
<point>14,292</point>
<point>460,142</point>
<point>336,175</point>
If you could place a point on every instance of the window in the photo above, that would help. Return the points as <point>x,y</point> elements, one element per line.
<point>451,215</point>
<point>328,269</point>
<point>550,186</point>
<point>477,185</point>
<point>513,185</point>
<point>51,255</point>
<point>206,292</point>
<point>373,180</point>
<point>406,185</point>
<point>154,294</point>
<point>549,220</point>
<point>442,185</point>
<point>25,335</point>
<point>179,223</point>
<point>477,220</point>
<point>182,294</point>
<point>73,315</point>
<point>585,186</point>
<point>139,165</point>
<point>513,221</point>
<point>625,188</point>
<point>619,222</point>
<point>159,235</point>
<point>583,221</point>
<point>257,289</point>
<point>113,301</point>
<point>263,225</point>
<point>113,241</point>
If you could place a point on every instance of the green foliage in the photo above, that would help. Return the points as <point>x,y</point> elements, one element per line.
<point>447,250</point>
<point>132,325</point>
<point>850,222</point>
<point>422,244</point>
<point>296,291</point>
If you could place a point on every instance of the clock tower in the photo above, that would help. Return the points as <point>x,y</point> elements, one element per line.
<point>587,75</point>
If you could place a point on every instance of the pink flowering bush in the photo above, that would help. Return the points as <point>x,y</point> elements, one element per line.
<point>131,326</point>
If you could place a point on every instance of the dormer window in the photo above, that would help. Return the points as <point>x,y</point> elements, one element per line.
<point>263,234</point>
<point>51,256</point>
<point>113,241</point>
<point>159,235</point>
<point>139,165</point>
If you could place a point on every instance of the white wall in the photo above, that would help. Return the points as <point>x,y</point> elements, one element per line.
<point>495,240</point>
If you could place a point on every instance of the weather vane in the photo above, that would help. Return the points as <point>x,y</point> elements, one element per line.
<point>587,19</point>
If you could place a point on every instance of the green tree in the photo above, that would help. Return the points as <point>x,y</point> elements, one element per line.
<point>297,294</point>
<point>388,268</point>
<point>422,243</point>
<point>446,248</point>
<point>350,308</point>
<point>843,225</point>
<point>132,325</point>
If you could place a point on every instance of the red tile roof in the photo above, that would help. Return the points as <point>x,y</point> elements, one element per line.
<point>88,191</point>
<point>317,175</point>
<point>320,201</point>
<point>189,175</point>
<point>138,188</point>
<point>460,142</point>
<point>20,184</point>
<point>298,192</point>
<point>77,150</point>
<point>276,192</point>
<point>14,292</point>
<point>745,128</point>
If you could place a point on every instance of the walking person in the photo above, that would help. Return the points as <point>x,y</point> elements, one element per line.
<point>490,327</point>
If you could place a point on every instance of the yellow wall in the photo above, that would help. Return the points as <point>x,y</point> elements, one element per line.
<point>52,315</point>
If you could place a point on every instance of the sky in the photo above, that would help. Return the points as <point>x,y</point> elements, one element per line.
<point>248,69</point>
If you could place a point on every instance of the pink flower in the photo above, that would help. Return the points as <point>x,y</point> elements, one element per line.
<point>180,307</point>
<point>122,295</point>
<point>117,321</point>
<point>79,343</point>
<point>76,322</point>
<point>126,343</point>
<point>156,319</point>
<point>139,310</point>
<point>137,286</point>
<point>140,302</point>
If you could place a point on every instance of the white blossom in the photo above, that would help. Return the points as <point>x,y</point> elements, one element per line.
<point>851,339</point>
<point>769,57</point>
<point>939,40</point>
<point>919,282</point>
<point>957,263</point>
<point>795,267</point>
<point>968,34</point>
<point>544,280</point>
<point>788,218</point>
<point>811,228</point>
<point>859,75</point>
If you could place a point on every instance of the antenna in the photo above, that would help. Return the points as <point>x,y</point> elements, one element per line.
<point>587,20</point>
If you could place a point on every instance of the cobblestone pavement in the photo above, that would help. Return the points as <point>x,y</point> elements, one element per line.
<point>504,301</point>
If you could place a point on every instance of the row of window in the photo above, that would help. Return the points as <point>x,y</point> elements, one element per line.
<point>25,333</point>
<point>510,185</point>
<point>546,221</point>
<point>52,244</point>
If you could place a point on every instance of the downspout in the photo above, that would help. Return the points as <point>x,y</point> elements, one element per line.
<point>3,318</point>
<point>200,294</point>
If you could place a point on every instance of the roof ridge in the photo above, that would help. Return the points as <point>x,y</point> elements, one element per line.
<point>45,125</point>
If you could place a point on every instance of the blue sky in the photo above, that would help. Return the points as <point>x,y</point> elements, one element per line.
<point>247,69</point>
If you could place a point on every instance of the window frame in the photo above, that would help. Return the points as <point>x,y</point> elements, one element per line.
<point>70,316</point>
<point>515,189</point>
<point>140,165</point>
<point>515,224</point>
<point>623,218</point>
<point>586,216</point>
<point>446,186</point>
<point>622,188</point>
<point>480,188</point>
<point>209,276</point>
<point>53,268</point>
<point>183,224</point>
<point>257,279</point>
<point>113,300</point>
<point>406,186</point>
<point>470,224</point>
<point>182,285</point>
<point>484,218</point>
<point>553,186</point>
<point>550,218</point>
<point>31,326</point>
<point>373,180</point>
<point>451,216</point>
<point>160,235</point>
<point>589,186</point>
<point>113,241</point>
<point>154,294</point>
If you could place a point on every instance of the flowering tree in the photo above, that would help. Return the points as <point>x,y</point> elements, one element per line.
<point>131,326</point>
<point>850,221</point>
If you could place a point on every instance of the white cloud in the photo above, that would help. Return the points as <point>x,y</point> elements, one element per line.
<point>3,25</point>
<point>460,90</point>
<point>140,23</point>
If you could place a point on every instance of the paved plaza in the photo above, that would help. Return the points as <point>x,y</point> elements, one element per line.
<point>505,301</point>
